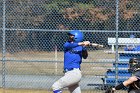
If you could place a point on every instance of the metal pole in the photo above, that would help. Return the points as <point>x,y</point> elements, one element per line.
<point>3,47</point>
<point>116,53</point>
<point>56,60</point>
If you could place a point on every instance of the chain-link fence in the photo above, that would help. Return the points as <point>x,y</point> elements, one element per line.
<point>33,33</point>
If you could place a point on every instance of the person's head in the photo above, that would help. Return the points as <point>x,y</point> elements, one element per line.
<point>132,36</point>
<point>76,36</point>
<point>134,64</point>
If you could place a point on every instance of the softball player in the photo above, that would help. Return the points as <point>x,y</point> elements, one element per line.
<point>74,51</point>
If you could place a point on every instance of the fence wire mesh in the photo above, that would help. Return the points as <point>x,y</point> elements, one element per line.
<point>35,31</point>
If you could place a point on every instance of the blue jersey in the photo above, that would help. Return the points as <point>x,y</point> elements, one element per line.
<point>72,55</point>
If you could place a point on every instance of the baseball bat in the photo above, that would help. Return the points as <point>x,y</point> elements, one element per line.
<point>96,45</point>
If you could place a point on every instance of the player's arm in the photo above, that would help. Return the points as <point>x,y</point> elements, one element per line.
<point>123,84</point>
<point>69,45</point>
<point>84,53</point>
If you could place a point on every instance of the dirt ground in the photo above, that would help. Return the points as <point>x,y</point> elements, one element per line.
<point>23,91</point>
<point>46,91</point>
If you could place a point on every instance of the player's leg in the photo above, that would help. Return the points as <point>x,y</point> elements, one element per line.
<point>70,78</point>
<point>57,87</point>
<point>57,91</point>
<point>74,88</point>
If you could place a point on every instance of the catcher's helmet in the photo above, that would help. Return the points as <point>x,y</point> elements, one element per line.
<point>78,35</point>
<point>134,64</point>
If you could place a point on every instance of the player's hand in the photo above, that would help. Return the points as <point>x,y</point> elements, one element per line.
<point>86,43</point>
<point>110,90</point>
<point>81,44</point>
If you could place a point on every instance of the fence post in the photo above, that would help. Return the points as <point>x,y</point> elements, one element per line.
<point>3,47</point>
<point>116,53</point>
<point>55,59</point>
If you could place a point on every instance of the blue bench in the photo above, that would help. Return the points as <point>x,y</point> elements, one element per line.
<point>123,73</point>
<point>112,81</point>
<point>127,56</point>
<point>121,65</point>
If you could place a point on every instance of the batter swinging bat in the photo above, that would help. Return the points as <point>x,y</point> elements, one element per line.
<point>96,45</point>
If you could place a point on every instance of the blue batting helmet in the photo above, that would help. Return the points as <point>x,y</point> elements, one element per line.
<point>78,35</point>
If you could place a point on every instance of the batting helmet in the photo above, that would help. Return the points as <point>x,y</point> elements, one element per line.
<point>78,35</point>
